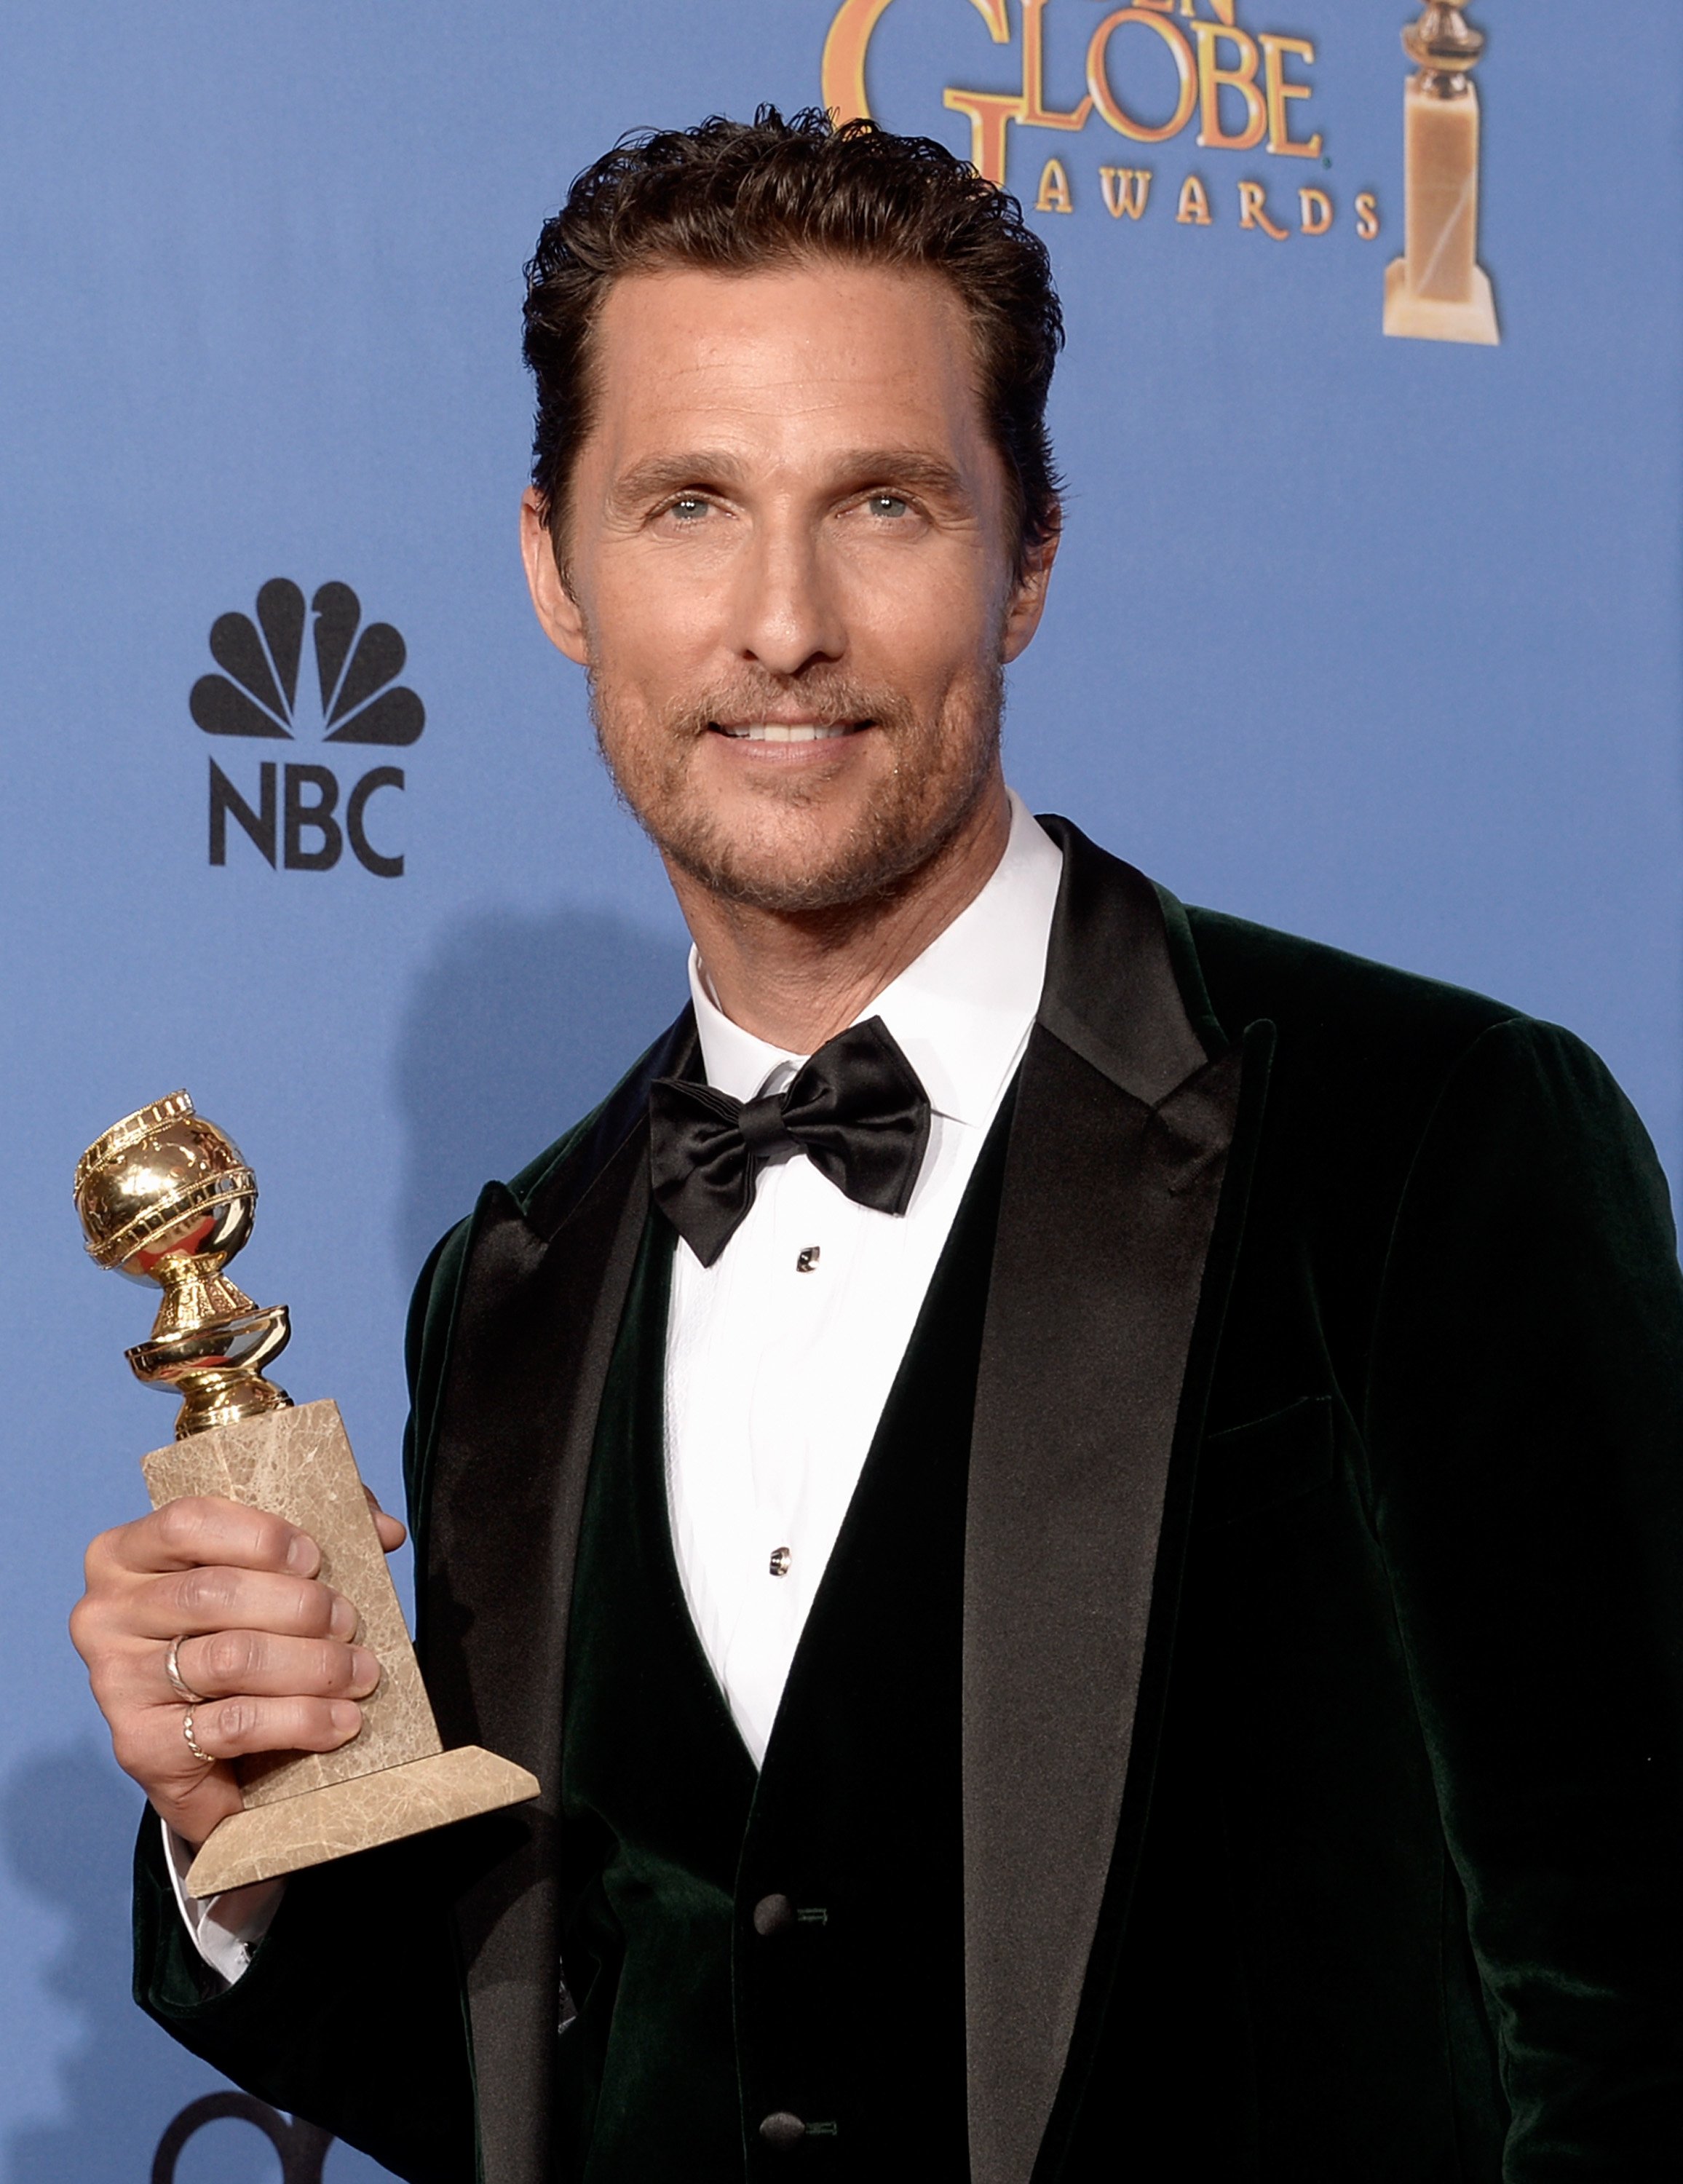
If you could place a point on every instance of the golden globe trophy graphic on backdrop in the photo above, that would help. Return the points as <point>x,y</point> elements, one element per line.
<point>1438,291</point>
<point>166,1197</point>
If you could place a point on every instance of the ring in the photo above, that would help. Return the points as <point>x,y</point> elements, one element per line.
<point>172,1669</point>
<point>192,1741</point>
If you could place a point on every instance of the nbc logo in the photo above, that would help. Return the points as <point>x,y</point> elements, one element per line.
<point>295,820</point>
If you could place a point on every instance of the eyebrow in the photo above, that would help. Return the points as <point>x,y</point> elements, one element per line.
<point>855,467</point>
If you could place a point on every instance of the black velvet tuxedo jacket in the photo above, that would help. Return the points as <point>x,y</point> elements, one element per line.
<point>1323,1704</point>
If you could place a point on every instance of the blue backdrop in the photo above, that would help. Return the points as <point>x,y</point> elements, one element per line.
<point>1372,639</point>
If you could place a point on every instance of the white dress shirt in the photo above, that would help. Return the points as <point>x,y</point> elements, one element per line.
<point>781,1354</point>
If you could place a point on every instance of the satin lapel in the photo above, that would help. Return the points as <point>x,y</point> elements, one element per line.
<point>539,1307</point>
<point>1125,1113</point>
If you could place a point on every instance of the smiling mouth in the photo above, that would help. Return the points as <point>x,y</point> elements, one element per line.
<point>778,732</point>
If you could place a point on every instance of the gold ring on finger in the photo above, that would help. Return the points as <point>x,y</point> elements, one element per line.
<point>178,1683</point>
<point>193,1745</point>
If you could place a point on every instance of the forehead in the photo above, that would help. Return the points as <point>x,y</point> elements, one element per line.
<point>784,358</point>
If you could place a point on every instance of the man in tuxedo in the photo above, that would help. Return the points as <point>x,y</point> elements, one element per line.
<point>1075,1502</point>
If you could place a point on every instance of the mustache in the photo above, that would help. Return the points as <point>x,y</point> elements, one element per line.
<point>830,701</point>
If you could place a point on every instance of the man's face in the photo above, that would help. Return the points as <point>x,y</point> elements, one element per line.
<point>790,575</point>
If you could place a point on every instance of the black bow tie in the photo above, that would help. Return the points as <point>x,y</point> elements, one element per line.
<point>857,1110</point>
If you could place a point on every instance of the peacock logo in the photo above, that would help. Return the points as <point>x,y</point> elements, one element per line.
<point>257,694</point>
<point>263,692</point>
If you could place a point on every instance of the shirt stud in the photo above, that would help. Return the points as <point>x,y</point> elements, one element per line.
<point>781,1559</point>
<point>807,1260</point>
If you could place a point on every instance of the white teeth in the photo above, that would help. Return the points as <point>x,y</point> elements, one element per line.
<point>770,731</point>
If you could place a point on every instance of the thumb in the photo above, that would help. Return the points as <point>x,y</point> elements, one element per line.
<point>391,1529</point>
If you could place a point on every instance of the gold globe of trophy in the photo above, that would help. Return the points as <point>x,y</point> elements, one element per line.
<point>166,1197</point>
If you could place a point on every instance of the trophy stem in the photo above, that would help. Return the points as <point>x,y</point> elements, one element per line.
<point>209,1399</point>
<point>216,1368</point>
<point>195,1292</point>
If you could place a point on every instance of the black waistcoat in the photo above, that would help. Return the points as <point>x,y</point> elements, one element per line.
<point>790,1946</point>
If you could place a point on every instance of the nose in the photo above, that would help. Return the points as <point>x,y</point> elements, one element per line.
<point>789,616</point>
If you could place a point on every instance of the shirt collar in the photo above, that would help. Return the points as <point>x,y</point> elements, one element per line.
<point>959,1012</point>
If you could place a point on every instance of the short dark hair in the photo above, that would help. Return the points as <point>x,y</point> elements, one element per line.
<point>734,196</point>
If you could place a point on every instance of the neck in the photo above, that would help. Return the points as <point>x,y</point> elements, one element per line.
<point>795,979</point>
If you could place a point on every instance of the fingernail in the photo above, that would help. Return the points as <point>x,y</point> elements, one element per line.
<point>344,1617</point>
<point>364,1671</point>
<point>346,1718</point>
<point>301,1555</point>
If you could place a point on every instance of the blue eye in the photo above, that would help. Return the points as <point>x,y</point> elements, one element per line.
<point>687,507</point>
<point>887,504</point>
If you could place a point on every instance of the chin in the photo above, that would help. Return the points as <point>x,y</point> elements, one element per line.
<point>790,884</point>
<point>806,868</point>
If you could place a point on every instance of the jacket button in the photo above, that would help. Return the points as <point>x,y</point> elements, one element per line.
<point>782,2130</point>
<point>771,1914</point>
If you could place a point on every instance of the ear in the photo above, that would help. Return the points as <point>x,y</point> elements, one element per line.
<point>555,606</point>
<point>1027,599</point>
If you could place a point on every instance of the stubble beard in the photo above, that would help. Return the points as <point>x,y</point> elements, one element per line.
<point>941,769</point>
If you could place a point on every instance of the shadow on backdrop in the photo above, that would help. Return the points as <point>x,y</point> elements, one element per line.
<point>516,1029</point>
<point>67,1830</point>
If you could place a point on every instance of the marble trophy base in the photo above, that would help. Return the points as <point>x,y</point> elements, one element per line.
<point>319,1824</point>
<point>394,1779</point>
<point>1433,318</point>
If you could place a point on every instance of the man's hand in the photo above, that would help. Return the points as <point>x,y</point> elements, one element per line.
<point>269,1647</point>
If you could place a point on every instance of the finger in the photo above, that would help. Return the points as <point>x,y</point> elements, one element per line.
<point>390,1528</point>
<point>203,1529</point>
<point>259,1664</point>
<point>196,1601</point>
<point>232,1729</point>
<point>150,1743</point>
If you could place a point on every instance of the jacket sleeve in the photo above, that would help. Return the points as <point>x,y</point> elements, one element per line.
<point>351,2013</point>
<point>1525,1437</point>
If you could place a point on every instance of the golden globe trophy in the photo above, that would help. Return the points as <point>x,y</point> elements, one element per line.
<point>1437,290</point>
<point>166,1197</point>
